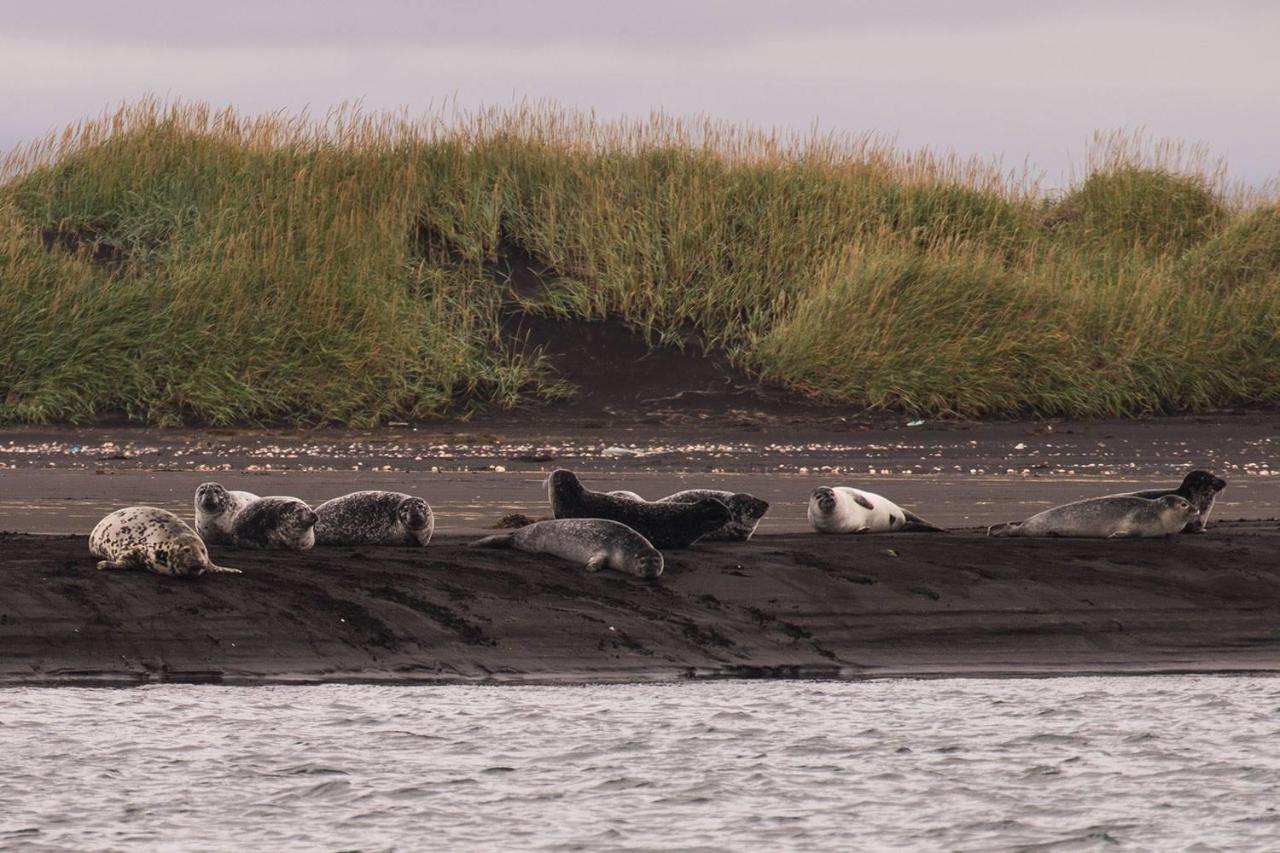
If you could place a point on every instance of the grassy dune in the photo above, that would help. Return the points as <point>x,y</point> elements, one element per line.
<point>174,264</point>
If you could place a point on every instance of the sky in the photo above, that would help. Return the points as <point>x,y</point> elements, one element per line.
<point>1014,79</point>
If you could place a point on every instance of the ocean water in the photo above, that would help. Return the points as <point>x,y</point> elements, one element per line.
<point>1155,763</point>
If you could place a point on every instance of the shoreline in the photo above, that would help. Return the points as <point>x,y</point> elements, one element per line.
<point>804,606</point>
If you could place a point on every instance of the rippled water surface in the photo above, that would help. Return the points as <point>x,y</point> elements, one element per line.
<point>1073,763</point>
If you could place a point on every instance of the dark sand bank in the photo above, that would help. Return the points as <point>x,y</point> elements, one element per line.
<point>783,605</point>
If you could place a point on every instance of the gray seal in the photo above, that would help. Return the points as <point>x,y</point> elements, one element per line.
<point>1110,517</point>
<point>215,507</point>
<point>144,537</point>
<point>747,510</point>
<point>1200,488</point>
<point>374,518</point>
<point>596,542</point>
<point>275,522</point>
<point>665,525</point>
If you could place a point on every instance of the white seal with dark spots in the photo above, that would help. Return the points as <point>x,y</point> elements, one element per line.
<point>1110,517</point>
<point>595,542</point>
<point>216,506</point>
<point>1200,488</point>
<point>842,509</point>
<point>665,525</point>
<point>144,537</point>
<point>274,522</point>
<point>374,518</point>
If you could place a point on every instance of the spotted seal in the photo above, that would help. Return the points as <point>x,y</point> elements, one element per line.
<point>747,510</point>
<point>1109,517</point>
<point>144,537</point>
<point>665,525</point>
<point>374,518</point>
<point>274,522</point>
<point>215,507</point>
<point>1200,488</point>
<point>597,542</point>
<point>842,509</point>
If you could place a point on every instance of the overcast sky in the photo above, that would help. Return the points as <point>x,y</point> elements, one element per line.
<point>992,77</point>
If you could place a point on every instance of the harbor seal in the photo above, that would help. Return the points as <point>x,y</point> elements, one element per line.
<point>215,507</point>
<point>841,509</point>
<point>597,542</point>
<point>1110,517</point>
<point>1200,488</point>
<point>274,522</point>
<point>747,510</point>
<point>144,537</point>
<point>665,525</point>
<point>374,518</point>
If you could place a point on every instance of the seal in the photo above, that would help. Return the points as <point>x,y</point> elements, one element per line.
<point>215,507</point>
<point>374,518</point>
<point>144,537</point>
<point>274,522</point>
<point>665,525</point>
<point>747,510</point>
<point>1200,488</point>
<point>841,509</point>
<point>1109,517</point>
<point>597,542</point>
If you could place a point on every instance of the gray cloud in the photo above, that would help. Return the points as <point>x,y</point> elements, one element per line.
<point>1000,78</point>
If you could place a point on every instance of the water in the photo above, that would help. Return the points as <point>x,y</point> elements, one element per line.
<point>1071,764</point>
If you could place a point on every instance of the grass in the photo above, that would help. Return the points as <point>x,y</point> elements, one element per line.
<point>176,264</point>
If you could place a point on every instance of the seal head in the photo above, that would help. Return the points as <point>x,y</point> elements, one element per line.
<point>374,518</point>
<point>1200,487</point>
<point>664,525</point>
<point>746,511</point>
<point>275,522</point>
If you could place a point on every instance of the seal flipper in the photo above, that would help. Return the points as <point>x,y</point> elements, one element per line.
<point>131,560</point>
<point>1009,528</point>
<point>597,562</point>
<point>916,524</point>
<point>221,570</point>
<point>863,502</point>
<point>502,540</point>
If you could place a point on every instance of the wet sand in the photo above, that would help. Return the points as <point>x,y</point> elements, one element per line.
<point>781,605</point>
<point>62,480</point>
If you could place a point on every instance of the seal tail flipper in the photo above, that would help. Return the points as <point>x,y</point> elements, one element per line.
<point>502,540</point>
<point>222,570</point>
<point>916,524</point>
<point>1009,528</point>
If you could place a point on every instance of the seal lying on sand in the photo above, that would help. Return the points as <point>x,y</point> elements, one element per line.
<point>1105,518</point>
<point>274,522</point>
<point>215,507</point>
<point>841,509</point>
<point>1200,488</point>
<point>374,518</point>
<point>666,525</point>
<point>144,537</point>
<point>597,542</point>
<point>747,510</point>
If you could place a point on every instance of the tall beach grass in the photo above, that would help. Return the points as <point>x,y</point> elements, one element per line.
<point>173,263</point>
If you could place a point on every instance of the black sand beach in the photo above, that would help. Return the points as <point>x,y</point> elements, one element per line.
<point>779,606</point>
